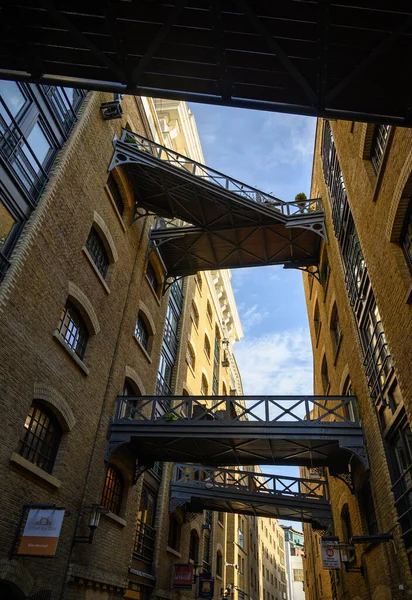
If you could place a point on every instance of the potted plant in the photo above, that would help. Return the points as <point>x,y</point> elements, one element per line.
<point>301,201</point>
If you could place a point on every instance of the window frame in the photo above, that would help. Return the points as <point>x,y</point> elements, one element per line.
<point>142,331</point>
<point>113,498</point>
<point>80,348</point>
<point>98,252</point>
<point>55,431</point>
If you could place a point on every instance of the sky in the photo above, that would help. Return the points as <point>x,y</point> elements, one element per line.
<point>274,153</point>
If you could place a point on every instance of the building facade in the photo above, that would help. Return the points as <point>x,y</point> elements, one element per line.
<point>294,550</point>
<point>361,325</point>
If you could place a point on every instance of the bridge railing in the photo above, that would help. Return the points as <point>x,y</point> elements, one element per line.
<point>304,411</point>
<point>230,184</point>
<point>202,477</point>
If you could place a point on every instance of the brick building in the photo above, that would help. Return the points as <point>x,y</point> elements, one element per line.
<point>361,325</point>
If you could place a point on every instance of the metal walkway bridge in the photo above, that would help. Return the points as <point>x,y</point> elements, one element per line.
<point>311,431</point>
<point>199,488</point>
<point>319,58</point>
<point>222,223</point>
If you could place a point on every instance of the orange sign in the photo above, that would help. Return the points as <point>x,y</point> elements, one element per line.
<point>41,533</point>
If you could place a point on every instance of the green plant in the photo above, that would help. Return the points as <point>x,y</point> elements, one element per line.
<point>171,417</point>
<point>301,200</point>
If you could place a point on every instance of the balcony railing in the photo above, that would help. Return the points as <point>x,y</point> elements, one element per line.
<point>229,184</point>
<point>268,485</point>
<point>144,542</point>
<point>335,410</point>
<point>377,362</point>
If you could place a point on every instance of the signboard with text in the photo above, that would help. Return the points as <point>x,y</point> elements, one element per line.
<point>42,531</point>
<point>206,587</point>
<point>330,553</point>
<point>183,577</point>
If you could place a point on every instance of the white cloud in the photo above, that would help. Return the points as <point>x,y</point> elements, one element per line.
<point>252,317</point>
<point>276,364</point>
<point>289,141</point>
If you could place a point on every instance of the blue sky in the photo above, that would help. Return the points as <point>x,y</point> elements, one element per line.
<point>272,152</point>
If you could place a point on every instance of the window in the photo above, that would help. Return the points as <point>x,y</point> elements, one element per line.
<point>316,320</point>
<point>144,542</point>
<point>406,237</point>
<point>190,356</point>
<point>73,329</point>
<point>377,359</point>
<point>152,277</point>
<point>174,533</point>
<point>98,252</point>
<point>219,564</point>
<point>194,314</point>
<point>194,546</point>
<point>205,386</point>
<point>113,490</point>
<point>368,508</point>
<point>141,332</point>
<point>41,438</point>
<point>335,329</point>
<point>347,529</point>
<point>325,271</point>
<point>380,137</point>
<point>209,311</point>
<point>298,575</point>
<point>220,516</point>
<point>325,375</point>
<point>206,346</point>
<point>206,551</point>
<point>116,195</point>
<point>199,282</point>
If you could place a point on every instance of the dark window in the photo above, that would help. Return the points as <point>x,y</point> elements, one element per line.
<point>325,375</point>
<point>220,516</point>
<point>335,328</point>
<point>41,438</point>
<point>116,195</point>
<point>73,329</point>
<point>325,271</point>
<point>194,546</point>
<point>368,508</point>
<point>141,332</point>
<point>207,346</point>
<point>206,551</point>
<point>141,592</point>
<point>209,311</point>
<point>316,320</point>
<point>205,387</point>
<point>145,532</point>
<point>190,356</point>
<point>194,314</point>
<point>216,364</point>
<point>377,359</point>
<point>406,238</point>
<point>198,279</point>
<point>174,533</point>
<point>380,137</point>
<point>347,530</point>
<point>152,277</point>
<point>400,448</point>
<point>113,490</point>
<point>98,252</point>
<point>65,103</point>
<point>219,564</point>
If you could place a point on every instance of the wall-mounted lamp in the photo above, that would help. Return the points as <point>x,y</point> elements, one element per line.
<point>94,519</point>
<point>112,110</point>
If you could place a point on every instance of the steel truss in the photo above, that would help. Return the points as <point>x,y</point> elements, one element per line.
<point>323,59</point>
<point>209,488</point>
<point>245,430</point>
<point>209,220</point>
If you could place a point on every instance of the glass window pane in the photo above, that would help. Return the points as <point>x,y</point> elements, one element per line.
<point>12,97</point>
<point>39,145</point>
<point>6,224</point>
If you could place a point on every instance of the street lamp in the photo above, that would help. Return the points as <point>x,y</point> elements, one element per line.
<point>94,519</point>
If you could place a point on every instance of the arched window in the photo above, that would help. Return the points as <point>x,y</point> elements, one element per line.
<point>348,391</point>
<point>41,438</point>
<point>316,320</point>
<point>194,546</point>
<point>325,270</point>
<point>205,386</point>
<point>73,329</point>
<point>347,530</point>
<point>224,389</point>
<point>141,331</point>
<point>152,278</point>
<point>380,137</point>
<point>190,356</point>
<point>219,564</point>
<point>325,375</point>
<point>113,490</point>
<point>98,252</point>
<point>209,311</point>
<point>115,193</point>
<point>206,346</point>
<point>199,282</point>
<point>173,540</point>
<point>335,329</point>
<point>194,314</point>
<point>129,389</point>
<point>406,236</point>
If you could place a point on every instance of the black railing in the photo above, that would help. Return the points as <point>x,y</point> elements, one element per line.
<point>334,179</point>
<point>402,489</point>
<point>380,137</point>
<point>170,338</point>
<point>333,410</point>
<point>144,542</point>
<point>377,362</point>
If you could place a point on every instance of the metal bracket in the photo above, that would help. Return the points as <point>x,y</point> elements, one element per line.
<point>360,453</point>
<point>176,501</point>
<point>346,478</point>
<point>326,524</point>
<point>305,269</point>
<point>142,214</point>
<point>139,470</point>
<point>169,282</point>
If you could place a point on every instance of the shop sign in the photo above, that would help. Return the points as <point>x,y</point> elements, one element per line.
<point>42,531</point>
<point>206,587</point>
<point>330,553</point>
<point>183,577</point>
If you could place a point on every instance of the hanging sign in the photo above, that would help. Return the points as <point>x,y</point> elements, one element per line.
<point>42,531</point>
<point>206,587</point>
<point>330,553</point>
<point>183,577</point>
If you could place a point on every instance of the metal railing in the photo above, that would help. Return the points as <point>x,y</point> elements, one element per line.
<point>197,476</point>
<point>335,410</point>
<point>402,489</point>
<point>377,361</point>
<point>144,542</point>
<point>229,184</point>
